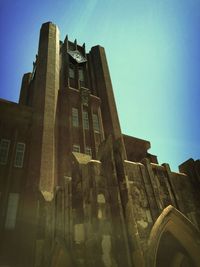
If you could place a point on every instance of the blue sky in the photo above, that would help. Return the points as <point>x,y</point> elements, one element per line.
<point>153,52</point>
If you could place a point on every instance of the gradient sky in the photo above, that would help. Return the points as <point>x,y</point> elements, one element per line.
<point>153,52</point>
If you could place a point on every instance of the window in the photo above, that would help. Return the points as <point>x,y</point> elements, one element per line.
<point>81,75</point>
<point>96,123</point>
<point>4,149</point>
<point>12,210</point>
<point>75,121</point>
<point>71,72</point>
<point>88,151</point>
<point>85,120</point>
<point>76,148</point>
<point>79,233</point>
<point>19,156</point>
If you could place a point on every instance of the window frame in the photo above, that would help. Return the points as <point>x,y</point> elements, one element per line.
<point>4,162</point>
<point>96,124</point>
<point>75,117</point>
<point>74,148</point>
<point>17,153</point>
<point>81,74</point>
<point>72,71</point>
<point>11,213</point>
<point>88,149</point>
<point>86,124</point>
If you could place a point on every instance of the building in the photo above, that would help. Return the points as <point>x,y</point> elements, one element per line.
<point>75,191</point>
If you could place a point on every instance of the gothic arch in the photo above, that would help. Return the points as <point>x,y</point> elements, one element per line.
<point>174,224</point>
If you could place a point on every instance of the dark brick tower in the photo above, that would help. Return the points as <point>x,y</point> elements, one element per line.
<point>75,191</point>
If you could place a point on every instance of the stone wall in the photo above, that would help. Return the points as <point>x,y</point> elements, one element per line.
<point>100,227</point>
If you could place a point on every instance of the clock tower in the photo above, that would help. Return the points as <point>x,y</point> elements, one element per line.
<point>74,190</point>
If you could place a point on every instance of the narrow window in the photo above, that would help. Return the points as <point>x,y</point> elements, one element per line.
<point>81,75</point>
<point>88,151</point>
<point>4,149</point>
<point>71,72</point>
<point>76,148</point>
<point>79,233</point>
<point>75,121</point>
<point>85,120</point>
<point>11,211</point>
<point>19,156</point>
<point>96,123</point>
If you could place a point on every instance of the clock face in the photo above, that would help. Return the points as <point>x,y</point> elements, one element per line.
<point>77,56</point>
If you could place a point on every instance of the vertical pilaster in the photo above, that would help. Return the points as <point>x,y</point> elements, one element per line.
<point>170,187</point>
<point>105,92</point>
<point>24,88</point>
<point>154,184</point>
<point>45,104</point>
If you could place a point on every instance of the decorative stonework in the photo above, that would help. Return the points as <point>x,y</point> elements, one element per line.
<point>85,96</point>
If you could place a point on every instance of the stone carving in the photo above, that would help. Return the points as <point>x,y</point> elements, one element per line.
<point>85,94</point>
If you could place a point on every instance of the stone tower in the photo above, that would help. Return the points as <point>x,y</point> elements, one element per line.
<point>75,191</point>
